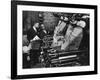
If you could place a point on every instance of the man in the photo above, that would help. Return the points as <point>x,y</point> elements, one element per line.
<point>42,32</point>
<point>85,41</point>
<point>33,32</point>
<point>26,48</point>
<point>32,35</point>
<point>58,37</point>
<point>73,35</point>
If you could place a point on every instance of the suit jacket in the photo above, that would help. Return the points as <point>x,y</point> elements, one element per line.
<point>31,33</point>
<point>42,34</point>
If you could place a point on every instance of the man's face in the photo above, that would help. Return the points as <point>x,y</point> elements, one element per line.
<point>42,25</point>
<point>36,25</point>
<point>74,21</point>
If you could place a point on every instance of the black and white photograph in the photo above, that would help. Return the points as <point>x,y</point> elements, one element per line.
<point>54,39</point>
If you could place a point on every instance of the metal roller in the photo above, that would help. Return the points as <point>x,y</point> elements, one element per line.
<point>69,64</point>
<point>65,60</point>
<point>74,63</point>
<point>76,52</point>
<point>60,54</point>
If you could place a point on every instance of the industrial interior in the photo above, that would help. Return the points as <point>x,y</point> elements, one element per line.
<point>55,39</point>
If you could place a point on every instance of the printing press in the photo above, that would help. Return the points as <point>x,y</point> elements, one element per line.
<point>64,44</point>
<point>54,57</point>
